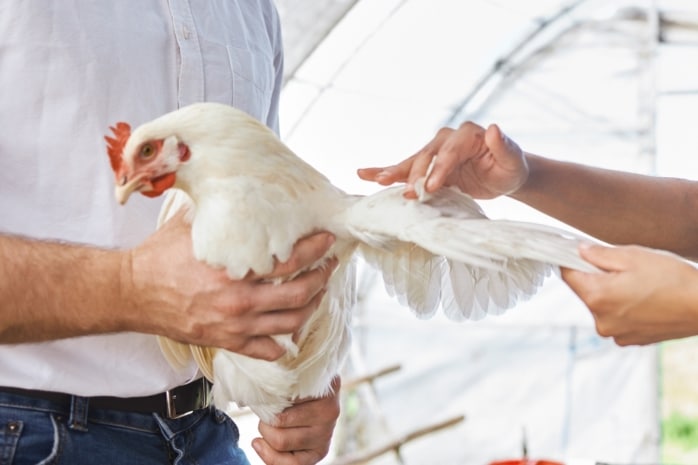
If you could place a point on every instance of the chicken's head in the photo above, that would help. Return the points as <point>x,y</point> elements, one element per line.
<point>144,163</point>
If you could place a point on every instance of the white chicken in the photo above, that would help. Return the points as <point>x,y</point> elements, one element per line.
<point>251,198</point>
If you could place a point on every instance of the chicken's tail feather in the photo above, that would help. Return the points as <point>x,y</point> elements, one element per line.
<point>237,379</point>
<point>178,355</point>
<point>203,356</point>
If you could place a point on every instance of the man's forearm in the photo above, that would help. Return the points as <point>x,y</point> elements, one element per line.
<point>617,207</point>
<point>52,290</point>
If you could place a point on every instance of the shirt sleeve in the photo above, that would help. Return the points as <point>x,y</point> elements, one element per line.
<point>276,35</point>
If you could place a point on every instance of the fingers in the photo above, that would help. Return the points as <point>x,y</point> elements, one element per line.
<point>605,258</point>
<point>453,149</point>
<point>289,321</point>
<point>302,433</point>
<point>498,142</point>
<point>306,252</point>
<point>450,148</point>
<point>467,140</point>
<point>310,411</point>
<point>597,255</point>
<point>261,347</point>
<point>283,309</point>
<point>418,170</point>
<point>271,456</point>
<point>643,297</point>
<point>201,305</point>
<point>257,308</point>
<point>410,169</point>
<point>389,174</point>
<point>286,321</point>
<point>420,161</point>
<point>483,163</point>
<point>581,283</point>
<point>296,293</point>
<point>380,175</point>
<point>450,153</point>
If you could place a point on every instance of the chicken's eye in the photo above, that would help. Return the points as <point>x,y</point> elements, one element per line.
<point>147,151</point>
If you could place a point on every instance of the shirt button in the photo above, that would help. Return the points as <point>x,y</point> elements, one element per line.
<point>186,32</point>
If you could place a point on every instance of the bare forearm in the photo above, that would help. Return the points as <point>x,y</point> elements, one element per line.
<point>51,290</point>
<point>617,207</point>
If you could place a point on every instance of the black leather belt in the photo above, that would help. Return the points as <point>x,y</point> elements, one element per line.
<point>175,403</point>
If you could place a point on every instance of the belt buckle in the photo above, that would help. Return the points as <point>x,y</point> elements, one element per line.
<point>170,398</point>
<point>172,413</point>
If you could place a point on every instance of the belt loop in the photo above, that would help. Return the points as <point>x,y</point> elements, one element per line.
<point>79,407</point>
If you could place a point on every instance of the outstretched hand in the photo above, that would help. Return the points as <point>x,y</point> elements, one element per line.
<point>482,163</point>
<point>642,297</point>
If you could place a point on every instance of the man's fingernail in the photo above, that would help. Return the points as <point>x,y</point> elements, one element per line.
<point>330,240</point>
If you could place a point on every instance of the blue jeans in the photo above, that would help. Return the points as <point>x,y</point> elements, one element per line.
<point>35,431</point>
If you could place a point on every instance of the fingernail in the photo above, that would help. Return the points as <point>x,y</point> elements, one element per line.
<point>409,192</point>
<point>430,186</point>
<point>330,240</point>
<point>330,264</point>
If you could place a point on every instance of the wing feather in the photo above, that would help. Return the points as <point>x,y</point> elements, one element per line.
<point>445,252</point>
<point>459,293</point>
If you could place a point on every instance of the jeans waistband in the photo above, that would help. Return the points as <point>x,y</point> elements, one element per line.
<point>78,411</point>
<point>175,403</point>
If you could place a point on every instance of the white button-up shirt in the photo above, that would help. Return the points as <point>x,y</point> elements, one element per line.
<point>69,70</point>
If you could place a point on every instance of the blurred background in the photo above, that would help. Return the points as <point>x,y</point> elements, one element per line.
<point>608,83</point>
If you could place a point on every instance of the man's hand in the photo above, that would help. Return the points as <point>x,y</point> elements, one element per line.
<point>302,433</point>
<point>172,294</point>
<point>644,295</point>
<point>482,163</point>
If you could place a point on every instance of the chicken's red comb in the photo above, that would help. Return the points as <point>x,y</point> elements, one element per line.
<point>115,145</point>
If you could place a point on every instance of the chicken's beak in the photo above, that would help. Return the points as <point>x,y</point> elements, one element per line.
<point>126,188</point>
